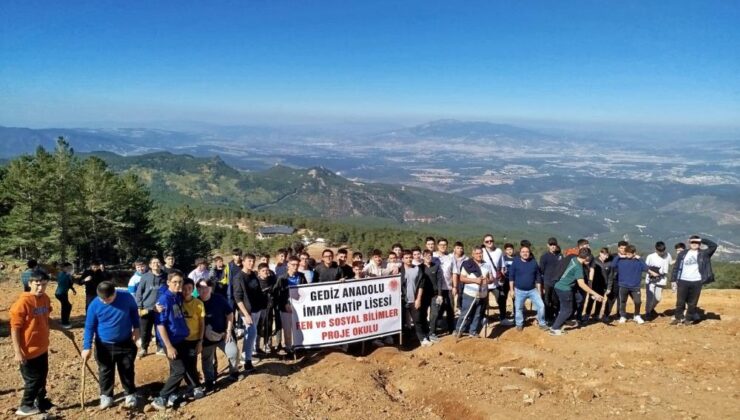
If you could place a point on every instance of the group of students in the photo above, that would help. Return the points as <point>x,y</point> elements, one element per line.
<point>248,298</point>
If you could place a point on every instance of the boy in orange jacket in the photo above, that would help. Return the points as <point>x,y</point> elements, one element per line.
<point>29,326</point>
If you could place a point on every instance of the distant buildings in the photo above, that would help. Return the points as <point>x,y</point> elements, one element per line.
<point>273,231</point>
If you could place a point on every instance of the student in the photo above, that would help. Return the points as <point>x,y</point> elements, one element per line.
<point>112,322</point>
<point>219,333</point>
<point>549,265</point>
<point>572,275</point>
<point>233,268</point>
<point>358,271</point>
<point>416,256</point>
<point>280,262</point>
<point>392,263</point>
<point>475,276</point>
<point>602,269</point>
<point>430,244</point>
<point>458,253</point>
<point>139,270</point>
<point>304,267</point>
<point>172,331</point>
<point>64,285</point>
<point>29,329</point>
<point>525,280</point>
<point>201,270</point>
<point>169,263</point>
<point>251,301</point>
<point>31,267</point>
<point>661,260</point>
<point>446,263</point>
<point>499,288</point>
<point>628,270</point>
<point>146,296</point>
<point>588,274</point>
<point>91,278</point>
<point>194,313</point>
<point>282,298</point>
<point>612,288</point>
<point>328,270</point>
<point>692,270</point>
<point>344,268</point>
<point>265,329</point>
<point>219,276</point>
<point>432,294</point>
<point>357,256</point>
<point>412,298</point>
<point>375,267</point>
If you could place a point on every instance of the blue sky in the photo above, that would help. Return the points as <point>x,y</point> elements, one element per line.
<point>606,62</point>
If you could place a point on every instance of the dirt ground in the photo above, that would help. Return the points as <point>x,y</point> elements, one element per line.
<point>635,371</point>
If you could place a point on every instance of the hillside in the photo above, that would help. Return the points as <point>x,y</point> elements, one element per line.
<point>318,192</point>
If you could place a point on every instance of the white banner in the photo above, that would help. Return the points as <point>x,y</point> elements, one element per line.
<point>333,313</point>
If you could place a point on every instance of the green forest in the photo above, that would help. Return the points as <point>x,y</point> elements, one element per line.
<point>59,206</point>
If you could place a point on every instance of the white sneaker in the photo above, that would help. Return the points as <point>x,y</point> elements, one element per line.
<point>639,319</point>
<point>105,402</point>
<point>426,343</point>
<point>172,400</point>
<point>130,401</point>
<point>198,393</point>
<point>622,320</point>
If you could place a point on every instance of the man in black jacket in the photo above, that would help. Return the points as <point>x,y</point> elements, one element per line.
<point>548,264</point>
<point>433,280</point>
<point>692,270</point>
<point>251,302</point>
<point>281,296</point>
<point>412,297</point>
<point>328,270</point>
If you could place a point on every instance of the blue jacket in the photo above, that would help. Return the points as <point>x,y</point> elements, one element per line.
<point>525,274</point>
<point>629,271</point>
<point>111,323</point>
<point>172,317</point>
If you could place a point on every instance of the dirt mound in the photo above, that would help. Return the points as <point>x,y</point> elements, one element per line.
<point>652,370</point>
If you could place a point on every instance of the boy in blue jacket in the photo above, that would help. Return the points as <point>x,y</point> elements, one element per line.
<point>629,273</point>
<point>172,330</point>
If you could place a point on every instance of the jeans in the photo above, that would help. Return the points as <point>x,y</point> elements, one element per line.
<point>471,313</point>
<point>66,307</point>
<point>653,296</point>
<point>250,338</point>
<point>34,373</point>
<point>634,293</point>
<point>551,303</point>
<point>208,358</point>
<point>181,367</point>
<point>445,307</point>
<point>111,356</point>
<point>687,297</point>
<point>533,295</point>
<point>566,308</point>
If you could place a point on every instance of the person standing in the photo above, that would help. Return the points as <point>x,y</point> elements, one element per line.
<point>195,314</point>
<point>328,270</point>
<point>446,264</point>
<point>91,278</point>
<point>219,276</point>
<point>628,270</point>
<point>251,302</point>
<point>602,269</point>
<point>475,276</point>
<point>499,288</point>
<point>29,330</point>
<point>146,297</point>
<point>31,267</point>
<point>660,260</point>
<point>291,277</point>
<point>458,253</point>
<point>692,270</point>
<point>201,270</point>
<point>572,276</point>
<point>140,269</point>
<point>345,268</point>
<point>412,297</point>
<point>64,285</point>
<point>112,323</point>
<point>432,293</point>
<point>172,330</point>
<point>549,265</point>
<point>526,282</point>
<point>219,333</point>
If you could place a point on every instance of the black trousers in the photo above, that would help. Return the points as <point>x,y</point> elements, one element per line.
<point>184,366</point>
<point>147,326</point>
<point>635,293</point>
<point>501,293</point>
<point>34,373</point>
<point>687,298</point>
<point>119,356</point>
<point>579,296</point>
<point>66,307</point>
<point>88,299</point>
<point>611,299</point>
<point>446,308</point>
<point>552,303</point>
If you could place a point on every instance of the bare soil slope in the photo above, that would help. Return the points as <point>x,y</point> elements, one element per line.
<point>654,370</point>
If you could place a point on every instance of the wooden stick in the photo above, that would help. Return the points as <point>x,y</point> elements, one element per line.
<point>82,391</point>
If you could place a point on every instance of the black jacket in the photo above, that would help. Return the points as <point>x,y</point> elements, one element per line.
<point>434,278</point>
<point>704,259</point>
<point>325,274</point>
<point>281,291</point>
<point>247,289</point>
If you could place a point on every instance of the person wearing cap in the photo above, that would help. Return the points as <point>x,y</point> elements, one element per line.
<point>548,265</point>
<point>219,333</point>
<point>112,322</point>
<point>147,292</point>
<point>692,270</point>
<point>29,330</point>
